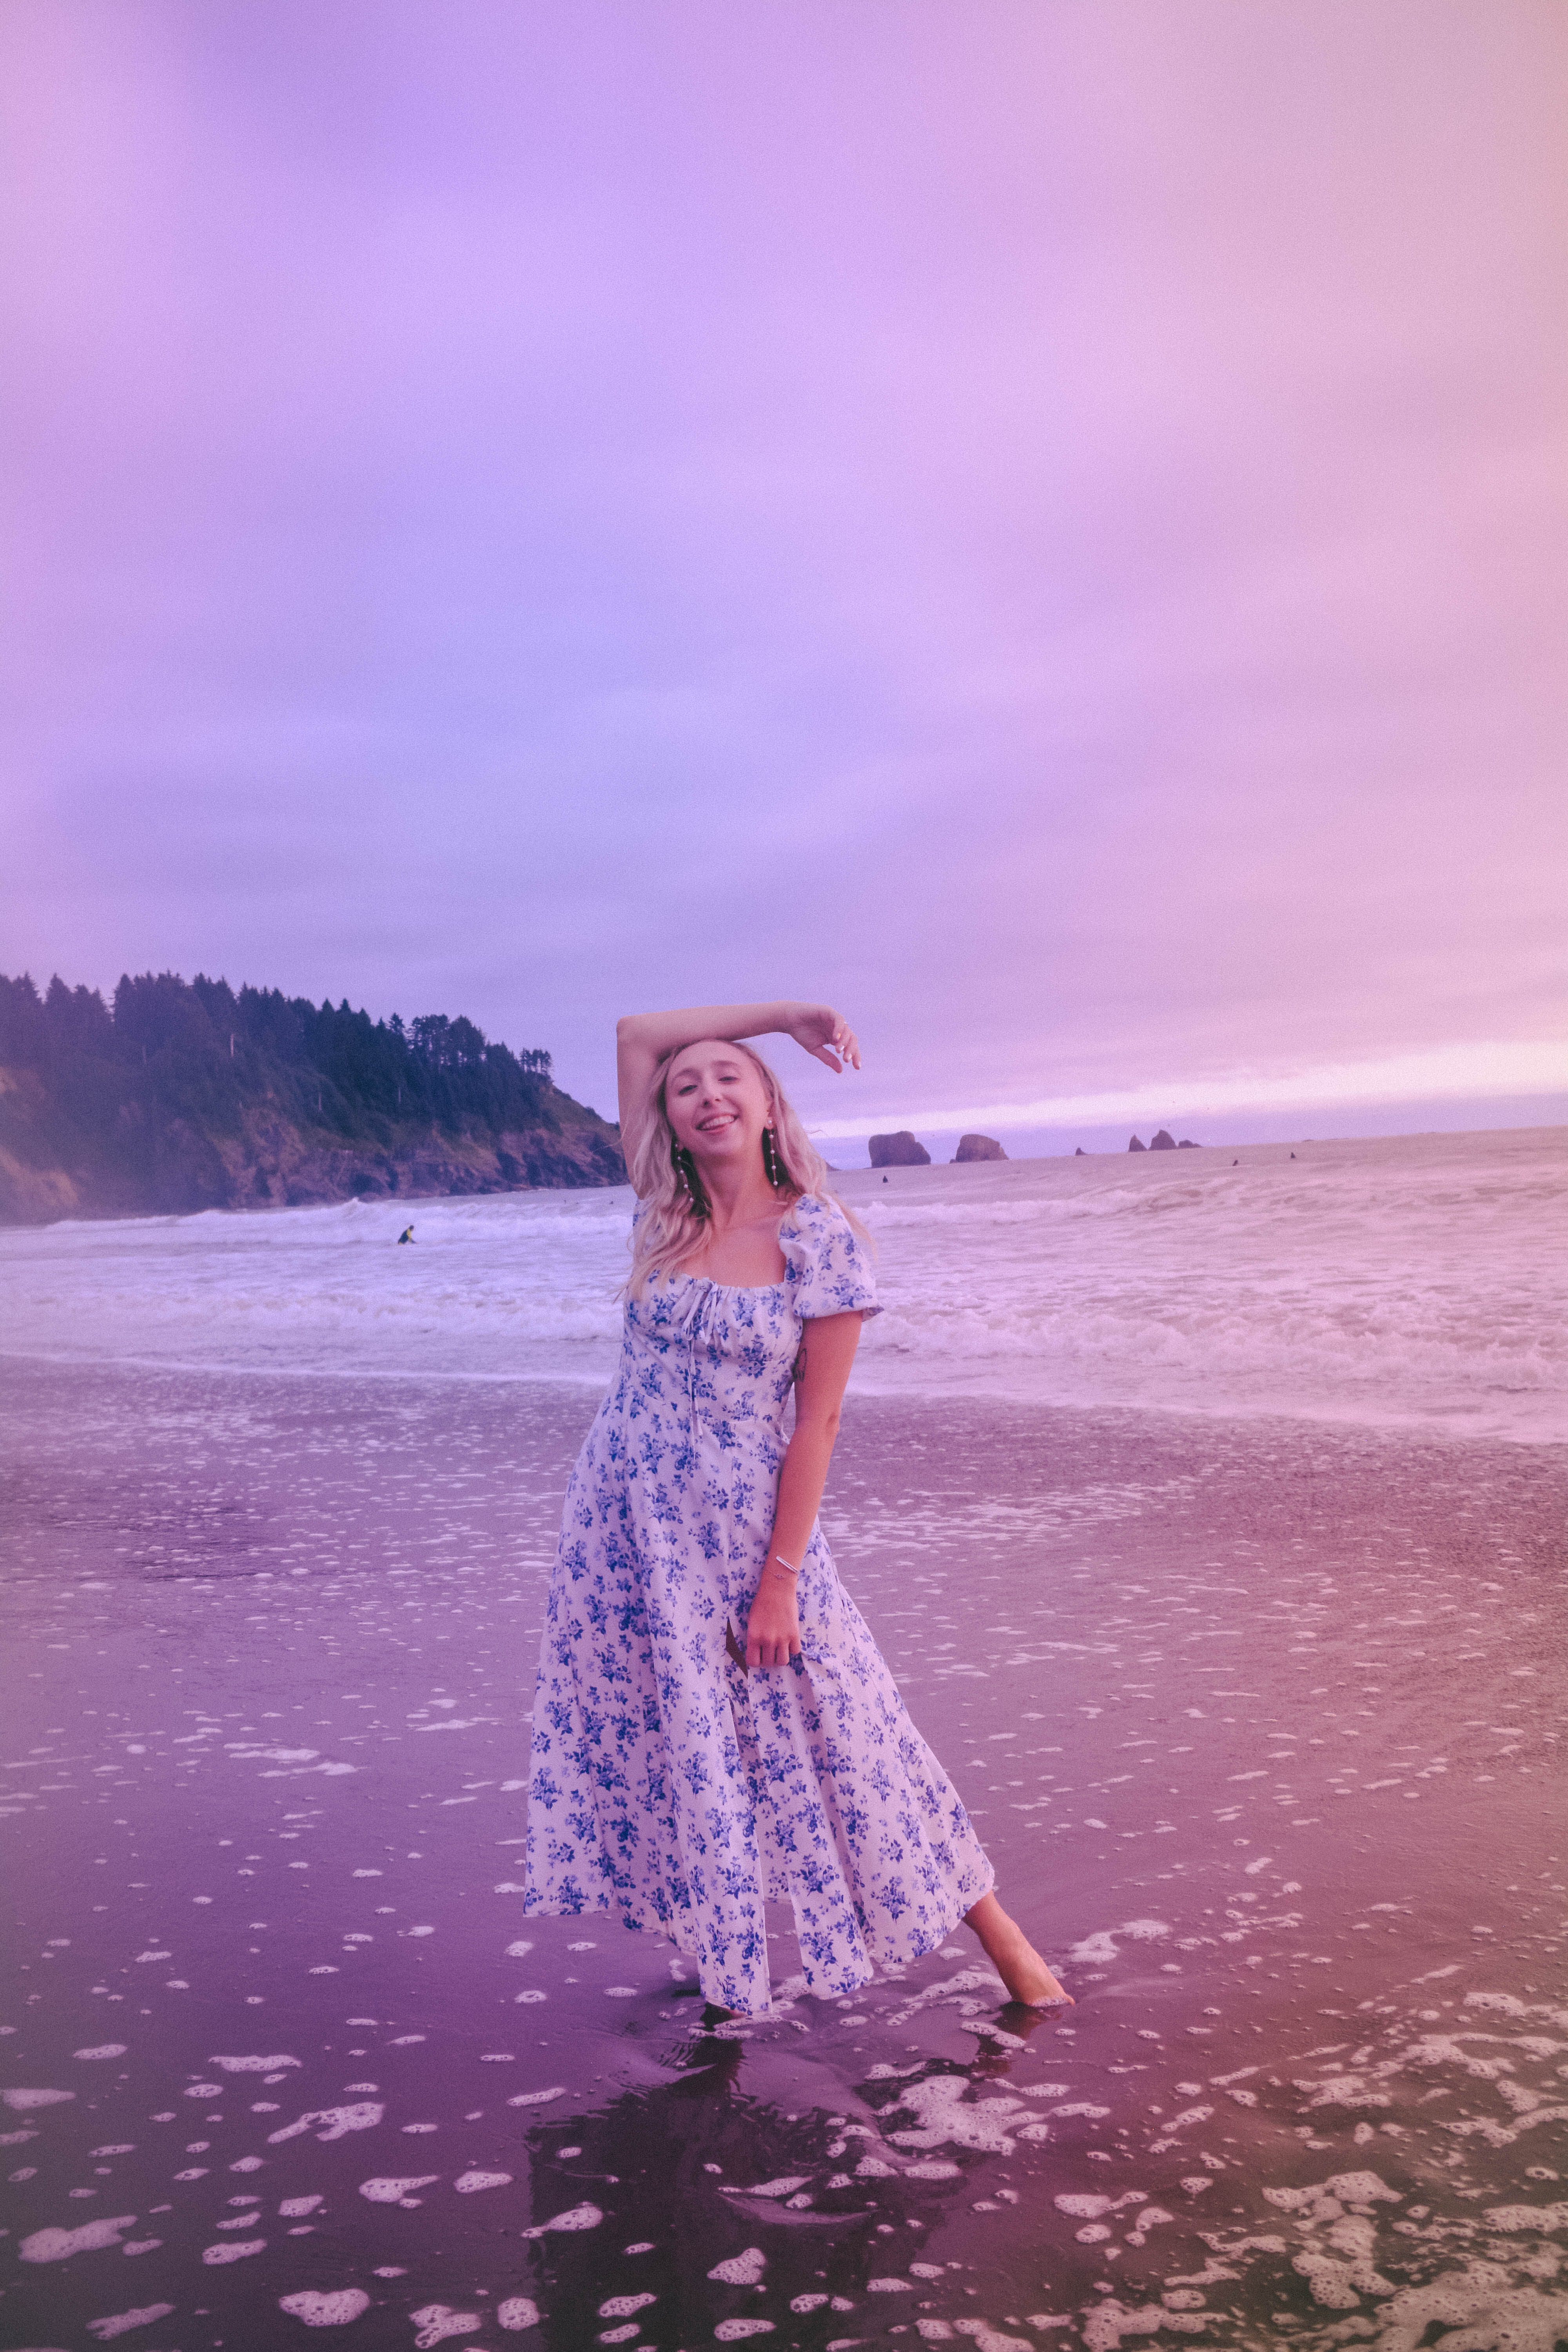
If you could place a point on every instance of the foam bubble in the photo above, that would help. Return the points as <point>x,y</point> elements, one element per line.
<point>329,2310</point>
<point>120,2322</point>
<point>385,2190</point>
<point>741,2270</point>
<point>576,2216</point>
<point>362,2115</point>
<point>60,2245</point>
<point>436,2321</point>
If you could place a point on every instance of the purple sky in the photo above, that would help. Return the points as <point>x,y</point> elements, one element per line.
<point>1044,525</point>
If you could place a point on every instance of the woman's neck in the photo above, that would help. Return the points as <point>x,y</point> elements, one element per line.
<point>748,1200</point>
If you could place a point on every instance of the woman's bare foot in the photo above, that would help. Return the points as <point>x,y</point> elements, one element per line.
<point>1014,1958</point>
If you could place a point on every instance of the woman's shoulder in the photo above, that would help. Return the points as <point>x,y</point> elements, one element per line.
<point>818,1218</point>
<point>815,1207</point>
<point>826,1258</point>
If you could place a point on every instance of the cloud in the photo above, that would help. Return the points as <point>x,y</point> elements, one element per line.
<point>1469,1074</point>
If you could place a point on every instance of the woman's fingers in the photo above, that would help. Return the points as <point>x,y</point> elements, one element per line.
<point>761,1652</point>
<point>826,1037</point>
<point>843,1043</point>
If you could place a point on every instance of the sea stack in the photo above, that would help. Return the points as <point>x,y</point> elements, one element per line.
<point>978,1147</point>
<point>901,1151</point>
<point>1137,1146</point>
<point>1163,1141</point>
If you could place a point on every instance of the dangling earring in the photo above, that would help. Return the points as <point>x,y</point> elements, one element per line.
<point>772,1165</point>
<point>686,1176</point>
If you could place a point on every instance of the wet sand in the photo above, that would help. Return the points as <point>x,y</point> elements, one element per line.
<point>1258,1719</point>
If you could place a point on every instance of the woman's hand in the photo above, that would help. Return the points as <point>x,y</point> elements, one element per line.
<point>825,1034</point>
<point>772,1627</point>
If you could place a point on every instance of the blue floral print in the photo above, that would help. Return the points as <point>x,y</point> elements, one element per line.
<point>669,1785</point>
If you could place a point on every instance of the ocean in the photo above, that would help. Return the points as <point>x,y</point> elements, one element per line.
<point>1413,1281</point>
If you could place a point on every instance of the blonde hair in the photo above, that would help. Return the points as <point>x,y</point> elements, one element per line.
<point>674,1222</point>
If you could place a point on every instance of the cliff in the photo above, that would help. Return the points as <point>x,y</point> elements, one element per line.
<point>181,1095</point>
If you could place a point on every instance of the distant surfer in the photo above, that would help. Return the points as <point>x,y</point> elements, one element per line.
<point>405,1236</point>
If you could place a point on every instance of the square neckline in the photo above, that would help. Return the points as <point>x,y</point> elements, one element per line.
<point>753,1289</point>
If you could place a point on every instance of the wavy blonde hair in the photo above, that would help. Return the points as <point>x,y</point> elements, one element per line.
<point>673,1225</point>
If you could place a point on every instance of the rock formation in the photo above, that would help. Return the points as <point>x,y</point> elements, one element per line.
<point>978,1147</point>
<point>1137,1146</point>
<point>1163,1141</point>
<point>1186,1144</point>
<point>901,1150</point>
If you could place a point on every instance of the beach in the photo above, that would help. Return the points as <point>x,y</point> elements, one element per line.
<point>1255,1709</point>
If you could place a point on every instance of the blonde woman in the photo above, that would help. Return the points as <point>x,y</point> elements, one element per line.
<point>713,1723</point>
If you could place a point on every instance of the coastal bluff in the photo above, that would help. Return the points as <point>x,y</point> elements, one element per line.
<point>178,1096</point>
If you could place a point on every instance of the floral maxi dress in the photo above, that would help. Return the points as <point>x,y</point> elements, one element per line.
<point>667,1784</point>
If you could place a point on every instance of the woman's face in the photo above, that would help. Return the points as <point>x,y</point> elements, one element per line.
<point>717,1104</point>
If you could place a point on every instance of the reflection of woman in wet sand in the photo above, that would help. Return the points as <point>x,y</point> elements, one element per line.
<point>713,1723</point>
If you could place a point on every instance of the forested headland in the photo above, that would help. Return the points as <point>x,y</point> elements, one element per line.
<point>185,1095</point>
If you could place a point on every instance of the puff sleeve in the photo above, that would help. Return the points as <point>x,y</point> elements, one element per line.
<point>827,1267</point>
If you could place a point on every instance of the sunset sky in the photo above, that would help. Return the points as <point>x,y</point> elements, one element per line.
<point>1046,526</point>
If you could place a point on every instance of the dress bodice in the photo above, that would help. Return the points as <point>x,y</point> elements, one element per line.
<point>730,1351</point>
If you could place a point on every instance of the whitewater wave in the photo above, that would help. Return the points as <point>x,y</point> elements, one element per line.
<point>1415,1280</point>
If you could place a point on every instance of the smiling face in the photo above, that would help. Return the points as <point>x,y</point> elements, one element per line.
<point>717,1104</point>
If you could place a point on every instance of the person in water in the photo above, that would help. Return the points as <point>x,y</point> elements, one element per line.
<point>714,1725</point>
<point>405,1236</point>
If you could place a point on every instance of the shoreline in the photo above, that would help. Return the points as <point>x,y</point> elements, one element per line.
<point>596,1381</point>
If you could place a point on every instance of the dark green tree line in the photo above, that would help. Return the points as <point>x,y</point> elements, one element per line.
<point>198,1055</point>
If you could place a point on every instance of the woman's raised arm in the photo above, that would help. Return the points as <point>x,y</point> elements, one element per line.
<point>643,1040</point>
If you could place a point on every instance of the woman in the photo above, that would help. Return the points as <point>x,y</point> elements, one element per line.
<point>713,1723</point>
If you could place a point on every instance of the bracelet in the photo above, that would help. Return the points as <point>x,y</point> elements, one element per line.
<point>777,1559</point>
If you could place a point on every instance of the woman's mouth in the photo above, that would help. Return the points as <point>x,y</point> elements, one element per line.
<point>716,1122</point>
